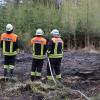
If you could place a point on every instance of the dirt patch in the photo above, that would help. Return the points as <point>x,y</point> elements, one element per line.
<point>80,71</point>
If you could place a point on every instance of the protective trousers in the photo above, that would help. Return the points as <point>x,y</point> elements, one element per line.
<point>36,69</point>
<point>9,64</point>
<point>55,66</point>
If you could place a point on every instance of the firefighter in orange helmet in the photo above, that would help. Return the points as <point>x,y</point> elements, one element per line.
<point>39,46</point>
<point>9,45</point>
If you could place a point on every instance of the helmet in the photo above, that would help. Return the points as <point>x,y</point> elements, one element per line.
<point>55,32</point>
<point>39,31</point>
<point>9,27</point>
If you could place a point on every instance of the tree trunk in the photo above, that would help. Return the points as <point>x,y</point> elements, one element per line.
<point>58,3</point>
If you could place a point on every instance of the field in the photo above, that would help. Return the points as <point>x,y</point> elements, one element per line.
<point>80,71</point>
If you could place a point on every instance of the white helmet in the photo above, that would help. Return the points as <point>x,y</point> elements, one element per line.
<point>39,31</point>
<point>55,32</point>
<point>9,27</point>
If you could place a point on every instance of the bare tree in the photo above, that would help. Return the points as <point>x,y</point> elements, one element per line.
<point>17,2</point>
<point>58,3</point>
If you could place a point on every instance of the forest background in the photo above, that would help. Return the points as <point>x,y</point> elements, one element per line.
<point>77,20</point>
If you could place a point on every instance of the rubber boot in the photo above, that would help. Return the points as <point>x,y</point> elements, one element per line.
<point>11,72</point>
<point>5,72</point>
<point>38,77</point>
<point>32,78</point>
<point>59,79</point>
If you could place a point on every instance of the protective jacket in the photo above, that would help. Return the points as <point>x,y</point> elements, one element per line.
<point>55,47</point>
<point>39,47</point>
<point>9,44</point>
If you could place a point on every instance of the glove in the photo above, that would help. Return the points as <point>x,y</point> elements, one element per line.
<point>48,52</point>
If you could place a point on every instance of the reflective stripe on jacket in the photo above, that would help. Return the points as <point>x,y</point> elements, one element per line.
<point>8,41</point>
<point>39,47</point>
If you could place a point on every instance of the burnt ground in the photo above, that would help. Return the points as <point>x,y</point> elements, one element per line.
<point>80,71</point>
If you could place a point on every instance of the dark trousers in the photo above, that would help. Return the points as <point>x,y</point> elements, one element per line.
<point>55,66</point>
<point>9,63</point>
<point>9,60</point>
<point>36,70</point>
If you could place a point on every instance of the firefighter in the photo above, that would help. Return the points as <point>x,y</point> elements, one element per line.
<point>39,45</point>
<point>9,45</point>
<point>55,54</point>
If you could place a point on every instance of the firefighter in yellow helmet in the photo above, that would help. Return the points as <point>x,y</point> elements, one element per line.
<point>55,54</point>
<point>9,45</point>
<point>39,46</point>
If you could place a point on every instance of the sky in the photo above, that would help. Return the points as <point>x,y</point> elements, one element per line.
<point>2,2</point>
